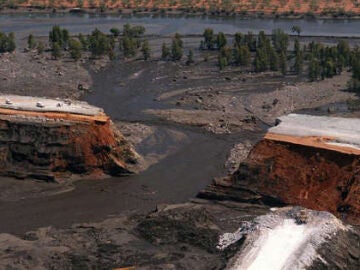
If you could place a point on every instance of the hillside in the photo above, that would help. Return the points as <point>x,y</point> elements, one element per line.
<point>265,6</point>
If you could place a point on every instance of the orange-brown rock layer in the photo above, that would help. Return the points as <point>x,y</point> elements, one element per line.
<point>59,146</point>
<point>314,178</point>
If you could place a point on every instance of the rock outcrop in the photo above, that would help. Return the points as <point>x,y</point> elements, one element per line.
<point>57,139</point>
<point>318,168</point>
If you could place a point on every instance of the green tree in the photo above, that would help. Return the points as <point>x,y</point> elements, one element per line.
<point>242,55</point>
<point>280,40</point>
<point>283,62</point>
<point>329,69</point>
<point>250,40</point>
<point>128,46</point>
<point>343,50</point>
<point>176,48</point>
<point>222,61</point>
<point>221,40</point>
<point>98,43</point>
<point>31,42</point>
<point>262,39</point>
<point>11,42</point>
<point>56,50</point>
<point>133,31</point>
<point>238,39</point>
<point>65,37</point>
<point>209,38</point>
<point>145,49</point>
<point>84,42</point>
<point>7,42</point>
<point>115,31</point>
<point>273,59</point>
<point>75,48</point>
<point>261,61</point>
<point>55,35</point>
<point>226,52</point>
<point>354,83</point>
<point>355,64</point>
<point>59,36</point>
<point>314,69</point>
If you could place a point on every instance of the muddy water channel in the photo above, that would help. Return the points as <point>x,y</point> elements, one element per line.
<point>190,159</point>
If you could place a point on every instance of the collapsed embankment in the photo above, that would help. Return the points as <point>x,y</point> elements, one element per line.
<point>58,145</point>
<point>316,172</point>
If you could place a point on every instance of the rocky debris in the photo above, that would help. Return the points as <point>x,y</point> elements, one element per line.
<point>216,122</point>
<point>28,73</point>
<point>183,236</point>
<point>347,242</point>
<point>237,154</point>
<point>276,239</point>
<point>187,241</point>
<point>303,95</point>
<point>55,146</point>
<point>172,224</point>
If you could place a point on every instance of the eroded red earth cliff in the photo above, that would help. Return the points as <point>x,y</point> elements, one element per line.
<point>284,173</point>
<point>57,146</point>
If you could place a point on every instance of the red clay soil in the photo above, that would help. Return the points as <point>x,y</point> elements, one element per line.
<point>307,176</point>
<point>265,6</point>
<point>100,147</point>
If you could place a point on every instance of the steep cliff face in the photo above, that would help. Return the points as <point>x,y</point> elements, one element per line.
<point>299,175</point>
<point>319,170</point>
<point>57,146</point>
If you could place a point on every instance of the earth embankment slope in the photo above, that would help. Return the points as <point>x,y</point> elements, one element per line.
<point>57,139</point>
<point>316,165</point>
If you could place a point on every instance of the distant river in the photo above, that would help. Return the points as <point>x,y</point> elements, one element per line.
<point>39,24</point>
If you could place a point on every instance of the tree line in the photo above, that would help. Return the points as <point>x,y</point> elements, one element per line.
<point>255,52</point>
<point>7,42</point>
<point>262,53</point>
<point>128,41</point>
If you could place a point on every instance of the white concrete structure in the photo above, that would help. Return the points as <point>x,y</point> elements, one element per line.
<point>27,103</point>
<point>333,133</point>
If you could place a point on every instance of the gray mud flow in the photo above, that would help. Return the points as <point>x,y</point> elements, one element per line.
<point>174,179</point>
<point>198,158</point>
